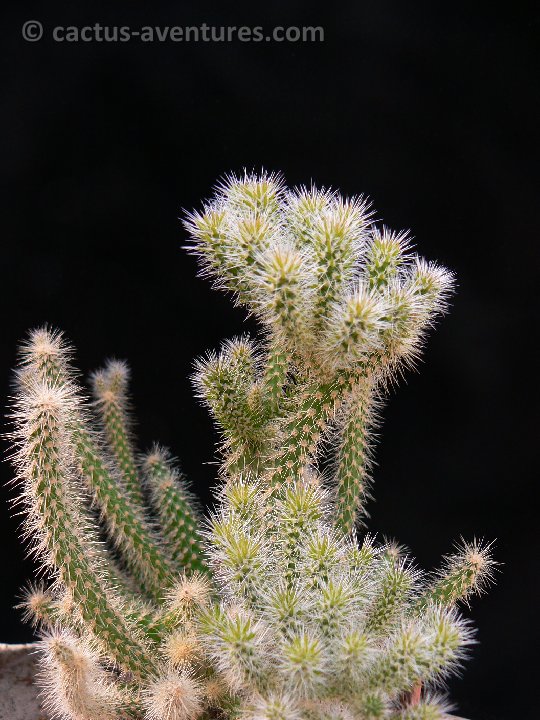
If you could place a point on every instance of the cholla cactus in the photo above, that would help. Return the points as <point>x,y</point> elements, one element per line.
<point>273,608</point>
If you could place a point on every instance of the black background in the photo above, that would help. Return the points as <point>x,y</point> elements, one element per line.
<point>430,110</point>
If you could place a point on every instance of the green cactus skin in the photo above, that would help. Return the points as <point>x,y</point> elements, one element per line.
<point>174,507</point>
<point>386,252</point>
<point>397,581</point>
<point>274,379</point>
<point>272,608</point>
<point>151,567</point>
<point>315,405</point>
<point>465,572</point>
<point>297,510</point>
<point>112,403</point>
<point>226,383</point>
<point>353,458</point>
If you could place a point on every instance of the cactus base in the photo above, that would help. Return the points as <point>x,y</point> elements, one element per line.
<point>18,693</point>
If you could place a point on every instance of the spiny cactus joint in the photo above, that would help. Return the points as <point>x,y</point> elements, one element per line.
<point>273,608</point>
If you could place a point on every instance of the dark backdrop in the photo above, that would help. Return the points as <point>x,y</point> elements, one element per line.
<point>426,107</point>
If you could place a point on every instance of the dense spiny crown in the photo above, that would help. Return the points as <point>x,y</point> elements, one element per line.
<point>337,292</point>
<point>344,304</point>
<point>309,616</point>
<point>273,608</point>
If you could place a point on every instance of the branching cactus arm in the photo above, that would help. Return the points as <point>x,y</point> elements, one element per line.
<point>466,572</point>
<point>174,507</point>
<point>352,464</point>
<point>109,387</point>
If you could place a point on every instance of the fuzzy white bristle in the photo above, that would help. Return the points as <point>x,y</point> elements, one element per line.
<point>189,593</point>
<point>110,383</point>
<point>271,707</point>
<point>181,648</point>
<point>213,690</point>
<point>176,696</point>
<point>73,684</point>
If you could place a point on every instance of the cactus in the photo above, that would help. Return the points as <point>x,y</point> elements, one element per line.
<point>274,607</point>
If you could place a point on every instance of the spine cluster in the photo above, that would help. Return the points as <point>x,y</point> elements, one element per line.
<point>274,608</point>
